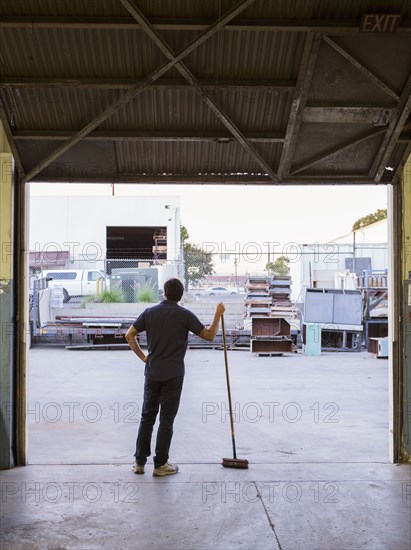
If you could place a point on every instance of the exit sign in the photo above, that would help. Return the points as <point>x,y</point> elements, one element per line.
<point>380,22</point>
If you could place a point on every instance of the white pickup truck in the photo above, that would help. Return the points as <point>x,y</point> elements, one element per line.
<point>76,282</point>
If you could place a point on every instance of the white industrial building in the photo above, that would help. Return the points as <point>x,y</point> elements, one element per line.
<point>328,265</point>
<point>77,231</point>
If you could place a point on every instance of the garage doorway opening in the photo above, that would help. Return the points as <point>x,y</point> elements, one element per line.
<point>336,405</point>
<point>137,243</point>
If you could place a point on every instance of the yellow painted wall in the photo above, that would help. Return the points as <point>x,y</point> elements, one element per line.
<point>6,181</point>
<point>4,144</point>
<point>406,200</point>
<point>6,302</point>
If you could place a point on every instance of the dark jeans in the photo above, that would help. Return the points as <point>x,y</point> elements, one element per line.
<point>165,395</point>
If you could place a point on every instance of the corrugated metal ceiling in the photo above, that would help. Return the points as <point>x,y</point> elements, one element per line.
<point>287,92</point>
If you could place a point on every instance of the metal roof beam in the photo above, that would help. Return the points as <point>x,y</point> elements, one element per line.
<point>393,133</point>
<point>222,179</point>
<point>187,74</point>
<point>133,92</point>
<point>369,74</point>
<point>339,149</point>
<point>181,24</point>
<point>126,83</point>
<point>123,135</point>
<point>377,116</point>
<point>305,74</point>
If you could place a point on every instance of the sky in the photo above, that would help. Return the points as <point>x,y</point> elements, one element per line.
<point>227,215</point>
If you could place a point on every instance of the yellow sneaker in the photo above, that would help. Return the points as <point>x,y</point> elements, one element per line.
<point>166,469</point>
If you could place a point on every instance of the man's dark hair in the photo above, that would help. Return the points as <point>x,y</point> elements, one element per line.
<point>173,289</point>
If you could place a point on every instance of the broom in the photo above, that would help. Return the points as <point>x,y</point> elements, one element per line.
<point>230,462</point>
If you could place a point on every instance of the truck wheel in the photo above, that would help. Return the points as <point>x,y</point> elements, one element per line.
<point>66,296</point>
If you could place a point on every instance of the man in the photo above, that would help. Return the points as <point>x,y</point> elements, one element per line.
<point>167,325</point>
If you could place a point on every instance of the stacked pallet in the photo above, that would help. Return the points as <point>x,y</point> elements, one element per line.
<point>280,292</point>
<point>258,300</point>
<point>270,333</point>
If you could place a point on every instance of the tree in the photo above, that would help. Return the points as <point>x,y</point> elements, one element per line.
<point>279,267</point>
<point>197,263</point>
<point>380,214</point>
<point>184,236</point>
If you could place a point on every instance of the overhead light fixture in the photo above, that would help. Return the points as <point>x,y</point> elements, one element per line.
<point>389,168</point>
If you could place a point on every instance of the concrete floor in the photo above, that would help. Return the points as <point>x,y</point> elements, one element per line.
<point>315,430</point>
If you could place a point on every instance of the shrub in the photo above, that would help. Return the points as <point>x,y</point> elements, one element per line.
<point>147,294</point>
<point>113,296</point>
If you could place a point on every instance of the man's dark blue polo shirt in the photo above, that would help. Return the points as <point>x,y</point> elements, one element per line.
<point>167,325</point>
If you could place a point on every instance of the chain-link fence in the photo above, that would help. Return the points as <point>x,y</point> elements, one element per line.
<point>330,265</point>
<point>127,280</point>
<point>140,280</point>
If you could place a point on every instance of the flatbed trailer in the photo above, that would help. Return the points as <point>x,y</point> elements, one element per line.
<point>70,330</point>
<point>109,333</point>
<point>97,332</point>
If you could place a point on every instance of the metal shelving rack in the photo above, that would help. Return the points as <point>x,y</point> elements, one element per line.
<point>373,285</point>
